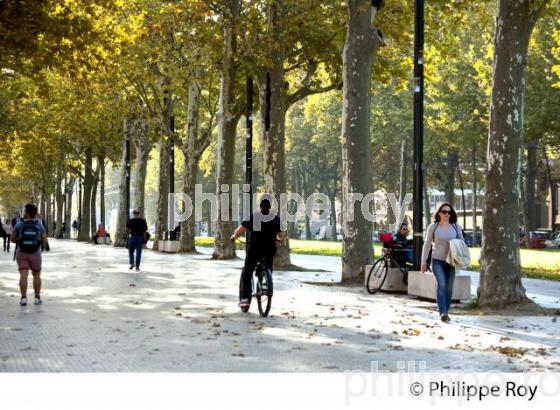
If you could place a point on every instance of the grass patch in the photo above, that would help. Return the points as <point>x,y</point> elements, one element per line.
<point>535,263</point>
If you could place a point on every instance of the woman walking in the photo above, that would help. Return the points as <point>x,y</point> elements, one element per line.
<point>439,233</point>
<point>7,228</point>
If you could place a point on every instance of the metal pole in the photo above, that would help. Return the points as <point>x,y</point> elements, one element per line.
<point>249,142</point>
<point>418,128</point>
<point>172,234</point>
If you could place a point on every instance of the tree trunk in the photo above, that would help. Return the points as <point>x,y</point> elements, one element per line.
<point>163,190</point>
<point>227,123</point>
<point>500,275</point>
<point>474,201</point>
<point>358,54</point>
<point>452,161</point>
<point>47,216</point>
<point>402,178</point>
<point>58,194</point>
<point>333,217</point>
<point>93,209</point>
<point>274,119</point>
<point>530,181</point>
<point>86,197</point>
<point>142,142</point>
<point>193,147</point>
<point>68,216</point>
<point>427,214</point>
<point>121,233</point>
<point>79,187</point>
<point>102,193</point>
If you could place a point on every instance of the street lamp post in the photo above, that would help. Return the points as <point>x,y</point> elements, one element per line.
<point>418,128</point>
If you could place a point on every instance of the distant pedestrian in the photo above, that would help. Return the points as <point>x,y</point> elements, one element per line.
<point>137,229</point>
<point>16,219</point>
<point>75,228</point>
<point>8,229</point>
<point>29,236</point>
<point>439,233</point>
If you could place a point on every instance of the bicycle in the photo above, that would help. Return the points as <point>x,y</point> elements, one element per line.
<point>262,289</point>
<point>380,268</point>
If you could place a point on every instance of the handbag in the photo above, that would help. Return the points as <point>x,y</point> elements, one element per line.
<point>429,258</point>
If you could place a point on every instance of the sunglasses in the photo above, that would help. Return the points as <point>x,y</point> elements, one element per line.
<point>444,212</point>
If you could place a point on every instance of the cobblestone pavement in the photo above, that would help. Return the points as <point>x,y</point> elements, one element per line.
<point>180,314</point>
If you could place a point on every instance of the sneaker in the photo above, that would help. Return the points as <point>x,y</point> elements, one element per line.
<point>137,269</point>
<point>37,301</point>
<point>243,303</point>
<point>23,301</point>
<point>131,267</point>
<point>444,317</point>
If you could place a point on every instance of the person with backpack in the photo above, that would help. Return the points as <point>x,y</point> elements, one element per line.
<point>30,236</point>
<point>436,249</point>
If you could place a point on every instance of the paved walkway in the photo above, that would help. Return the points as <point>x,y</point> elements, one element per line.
<point>180,314</point>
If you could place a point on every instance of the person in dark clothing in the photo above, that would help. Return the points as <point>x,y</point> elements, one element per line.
<point>16,220</point>
<point>137,228</point>
<point>402,246</point>
<point>261,243</point>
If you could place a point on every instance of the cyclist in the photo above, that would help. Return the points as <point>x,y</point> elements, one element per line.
<point>261,243</point>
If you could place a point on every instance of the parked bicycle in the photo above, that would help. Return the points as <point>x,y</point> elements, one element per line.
<point>379,270</point>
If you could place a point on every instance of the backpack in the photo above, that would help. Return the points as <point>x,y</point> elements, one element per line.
<point>30,237</point>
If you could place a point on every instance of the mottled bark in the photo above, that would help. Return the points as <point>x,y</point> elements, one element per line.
<point>193,147</point>
<point>68,216</point>
<point>93,207</point>
<point>86,197</point>
<point>227,123</point>
<point>101,193</point>
<point>359,51</point>
<point>121,233</point>
<point>500,276</point>
<point>142,144</point>
<point>163,191</point>
<point>58,190</point>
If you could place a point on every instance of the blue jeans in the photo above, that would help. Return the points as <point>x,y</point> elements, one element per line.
<point>135,243</point>
<point>445,276</point>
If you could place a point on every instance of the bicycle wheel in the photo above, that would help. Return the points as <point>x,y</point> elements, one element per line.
<point>246,308</point>
<point>376,276</point>
<point>264,292</point>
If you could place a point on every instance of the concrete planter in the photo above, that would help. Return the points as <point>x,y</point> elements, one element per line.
<point>169,246</point>
<point>424,285</point>
<point>393,282</point>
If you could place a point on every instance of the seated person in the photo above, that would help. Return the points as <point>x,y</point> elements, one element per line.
<point>403,249</point>
<point>100,233</point>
